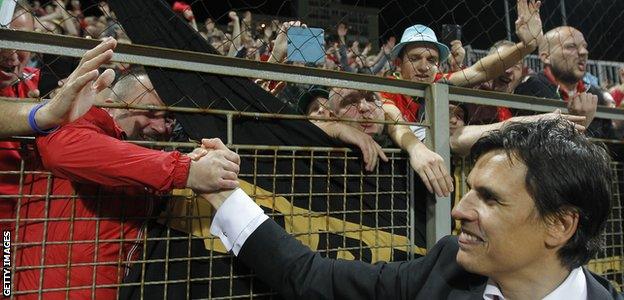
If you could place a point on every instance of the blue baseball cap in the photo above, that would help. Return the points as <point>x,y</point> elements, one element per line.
<point>420,34</point>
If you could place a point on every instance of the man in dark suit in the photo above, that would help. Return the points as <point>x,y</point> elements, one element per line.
<point>539,199</point>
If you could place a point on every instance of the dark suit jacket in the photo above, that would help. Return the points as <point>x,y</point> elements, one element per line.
<point>296,272</point>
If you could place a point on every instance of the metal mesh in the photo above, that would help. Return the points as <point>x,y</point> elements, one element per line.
<point>357,221</point>
<point>608,262</point>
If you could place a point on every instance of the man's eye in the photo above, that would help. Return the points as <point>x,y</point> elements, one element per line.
<point>489,198</point>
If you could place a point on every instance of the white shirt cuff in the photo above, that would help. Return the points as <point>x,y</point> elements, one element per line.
<point>419,131</point>
<point>236,219</point>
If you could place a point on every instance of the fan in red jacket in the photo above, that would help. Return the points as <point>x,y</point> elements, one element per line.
<point>82,236</point>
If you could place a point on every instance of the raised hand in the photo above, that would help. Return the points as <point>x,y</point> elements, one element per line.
<point>458,53</point>
<point>529,23</point>
<point>77,94</point>
<point>584,104</point>
<point>280,48</point>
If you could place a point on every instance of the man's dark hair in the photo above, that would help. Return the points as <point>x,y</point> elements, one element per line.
<point>565,172</point>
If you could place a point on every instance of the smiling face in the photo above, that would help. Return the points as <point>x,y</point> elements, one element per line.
<point>565,50</point>
<point>419,62</point>
<point>502,233</point>
<point>141,124</point>
<point>359,105</point>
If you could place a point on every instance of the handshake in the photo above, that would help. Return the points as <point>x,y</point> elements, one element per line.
<point>214,170</point>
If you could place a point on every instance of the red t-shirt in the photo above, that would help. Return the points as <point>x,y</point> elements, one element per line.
<point>406,104</point>
<point>618,95</point>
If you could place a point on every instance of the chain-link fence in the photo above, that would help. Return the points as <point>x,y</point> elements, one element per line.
<point>108,242</point>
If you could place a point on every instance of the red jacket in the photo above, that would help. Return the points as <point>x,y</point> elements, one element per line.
<point>10,154</point>
<point>114,181</point>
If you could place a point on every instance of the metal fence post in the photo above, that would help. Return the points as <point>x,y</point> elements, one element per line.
<point>564,15</point>
<point>507,20</point>
<point>438,208</point>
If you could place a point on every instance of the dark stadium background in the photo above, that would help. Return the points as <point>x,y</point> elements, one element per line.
<point>602,21</point>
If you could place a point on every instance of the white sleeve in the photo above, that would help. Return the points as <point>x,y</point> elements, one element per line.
<point>236,219</point>
<point>419,131</point>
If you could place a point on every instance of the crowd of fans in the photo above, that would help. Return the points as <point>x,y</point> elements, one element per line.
<point>417,56</point>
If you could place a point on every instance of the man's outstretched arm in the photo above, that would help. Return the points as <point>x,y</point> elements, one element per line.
<point>528,30</point>
<point>72,101</point>
<point>294,270</point>
<point>463,138</point>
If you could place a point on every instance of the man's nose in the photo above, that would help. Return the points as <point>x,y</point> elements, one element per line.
<point>365,106</point>
<point>509,71</point>
<point>422,65</point>
<point>163,127</point>
<point>583,51</point>
<point>465,209</point>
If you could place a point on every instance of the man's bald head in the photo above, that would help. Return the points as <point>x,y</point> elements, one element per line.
<point>564,50</point>
<point>555,36</point>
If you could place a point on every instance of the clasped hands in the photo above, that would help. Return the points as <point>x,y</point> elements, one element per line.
<point>214,170</point>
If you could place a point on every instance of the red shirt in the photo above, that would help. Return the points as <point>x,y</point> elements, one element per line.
<point>406,104</point>
<point>112,180</point>
<point>617,95</point>
<point>10,156</point>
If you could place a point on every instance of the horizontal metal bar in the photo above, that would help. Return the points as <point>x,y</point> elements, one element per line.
<point>235,146</point>
<point>208,63</point>
<point>522,102</point>
<point>232,113</point>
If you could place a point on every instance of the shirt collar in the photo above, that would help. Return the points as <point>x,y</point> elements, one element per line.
<point>574,287</point>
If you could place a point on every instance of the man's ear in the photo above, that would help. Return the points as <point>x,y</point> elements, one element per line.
<point>544,57</point>
<point>398,61</point>
<point>326,112</point>
<point>561,227</point>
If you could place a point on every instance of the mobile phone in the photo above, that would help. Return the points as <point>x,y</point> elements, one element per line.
<point>306,45</point>
<point>451,32</point>
<point>6,13</point>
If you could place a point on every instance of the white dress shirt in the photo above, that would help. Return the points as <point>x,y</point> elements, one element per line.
<point>574,287</point>
<point>239,216</point>
<point>236,220</point>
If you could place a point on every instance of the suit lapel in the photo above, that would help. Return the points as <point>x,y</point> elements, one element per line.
<point>595,290</point>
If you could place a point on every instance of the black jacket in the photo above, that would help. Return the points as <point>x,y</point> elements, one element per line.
<point>538,85</point>
<point>296,272</point>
